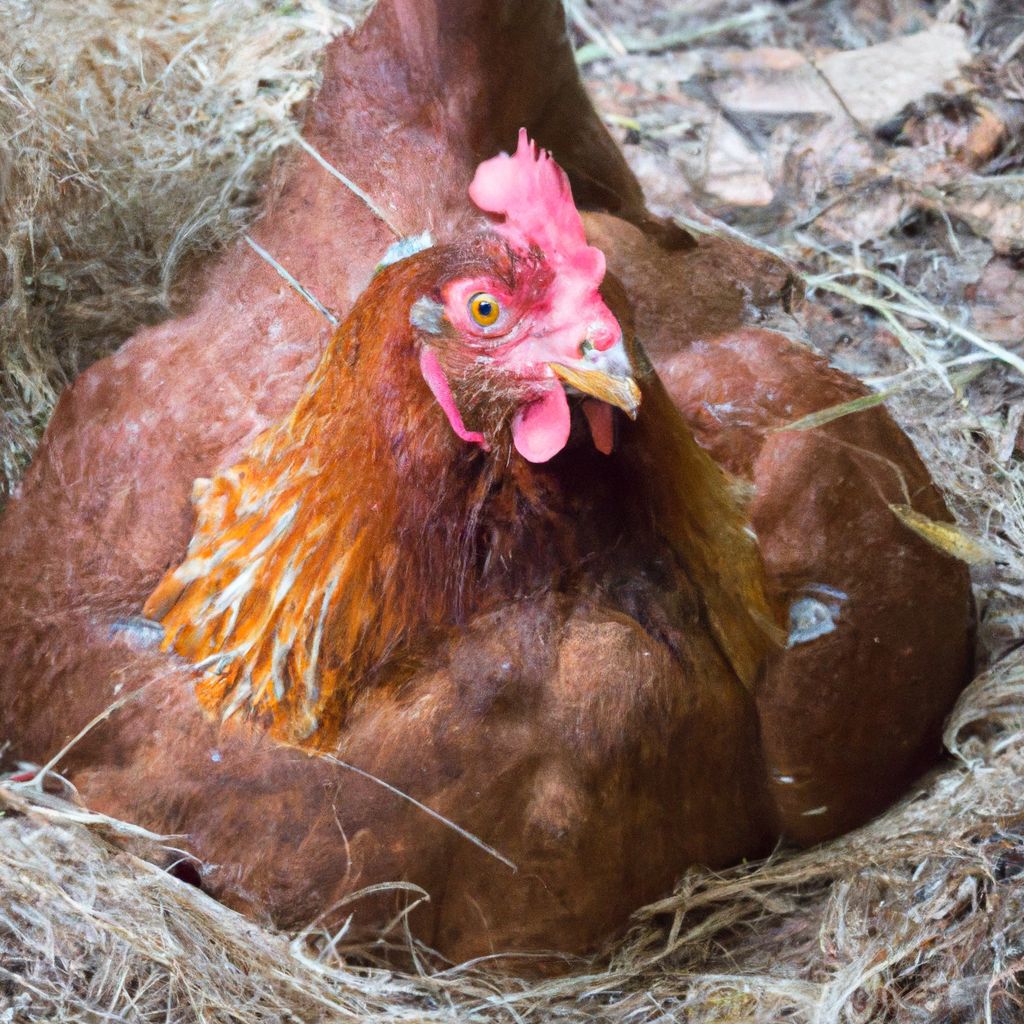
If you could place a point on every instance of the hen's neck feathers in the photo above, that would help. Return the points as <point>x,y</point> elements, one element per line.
<point>350,529</point>
<point>699,511</point>
<point>361,525</point>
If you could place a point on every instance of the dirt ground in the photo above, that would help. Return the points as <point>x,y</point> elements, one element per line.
<point>879,146</point>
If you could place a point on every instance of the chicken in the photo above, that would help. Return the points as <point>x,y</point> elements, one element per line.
<point>459,602</point>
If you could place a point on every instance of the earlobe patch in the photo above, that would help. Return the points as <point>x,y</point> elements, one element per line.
<point>427,315</point>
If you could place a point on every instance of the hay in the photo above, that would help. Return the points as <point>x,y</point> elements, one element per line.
<point>133,139</point>
<point>918,917</point>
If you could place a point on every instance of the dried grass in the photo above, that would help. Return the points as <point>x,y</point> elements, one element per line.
<point>918,917</point>
<point>133,138</point>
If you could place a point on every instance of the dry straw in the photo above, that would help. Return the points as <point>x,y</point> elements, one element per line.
<point>133,140</point>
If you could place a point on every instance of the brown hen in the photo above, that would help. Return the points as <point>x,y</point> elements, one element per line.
<point>431,626</point>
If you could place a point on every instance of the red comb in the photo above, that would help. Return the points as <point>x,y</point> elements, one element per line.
<point>533,193</point>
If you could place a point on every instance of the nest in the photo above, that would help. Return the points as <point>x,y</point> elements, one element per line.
<point>135,138</point>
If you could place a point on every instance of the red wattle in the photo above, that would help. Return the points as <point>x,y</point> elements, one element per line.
<point>540,430</point>
<point>602,427</point>
<point>430,367</point>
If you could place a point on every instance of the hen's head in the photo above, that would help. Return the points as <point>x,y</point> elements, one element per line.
<point>517,318</point>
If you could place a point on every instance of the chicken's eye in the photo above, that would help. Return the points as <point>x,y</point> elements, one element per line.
<point>484,309</point>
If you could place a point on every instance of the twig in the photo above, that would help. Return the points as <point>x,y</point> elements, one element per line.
<point>42,805</point>
<point>1011,51</point>
<point>982,181</point>
<point>914,305</point>
<point>304,292</point>
<point>350,185</point>
<point>673,40</point>
<point>885,308</point>
<point>835,412</point>
<point>594,29</point>
<point>37,782</point>
<point>877,148</point>
<point>719,229</point>
<point>423,807</point>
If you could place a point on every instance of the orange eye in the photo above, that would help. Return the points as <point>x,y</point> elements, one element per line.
<point>484,309</point>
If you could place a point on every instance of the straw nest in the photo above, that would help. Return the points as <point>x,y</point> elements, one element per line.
<point>134,137</point>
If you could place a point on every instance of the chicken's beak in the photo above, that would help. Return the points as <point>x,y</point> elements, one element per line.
<point>616,389</point>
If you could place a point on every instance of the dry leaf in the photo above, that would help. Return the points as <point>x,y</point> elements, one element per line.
<point>771,81</point>
<point>994,209</point>
<point>877,82</point>
<point>735,173</point>
<point>947,537</point>
<point>998,309</point>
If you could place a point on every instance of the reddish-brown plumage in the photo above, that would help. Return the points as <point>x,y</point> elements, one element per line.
<point>571,660</point>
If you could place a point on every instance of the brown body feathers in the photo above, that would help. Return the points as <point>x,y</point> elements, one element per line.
<point>586,664</point>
